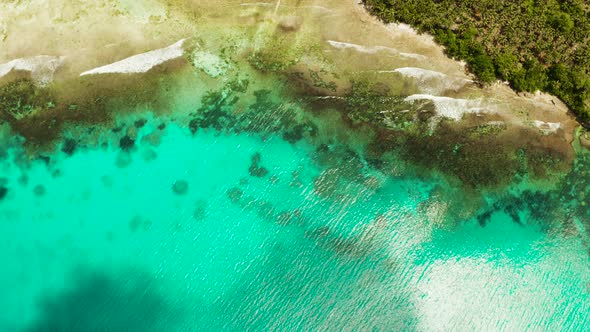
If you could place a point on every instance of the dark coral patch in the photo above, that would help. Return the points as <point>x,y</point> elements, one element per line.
<point>255,169</point>
<point>69,146</point>
<point>3,192</point>
<point>194,125</point>
<point>180,187</point>
<point>123,160</point>
<point>126,143</point>
<point>267,115</point>
<point>138,223</point>
<point>200,210</point>
<point>319,232</point>
<point>39,190</point>
<point>140,123</point>
<point>294,134</point>
<point>44,159</point>
<point>258,171</point>
<point>484,218</point>
<point>235,194</point>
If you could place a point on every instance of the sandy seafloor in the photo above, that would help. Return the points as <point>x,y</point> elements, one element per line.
<point>154,224</point>
<point>102,241</point>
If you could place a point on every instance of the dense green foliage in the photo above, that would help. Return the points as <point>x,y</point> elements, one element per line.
<point>533,44</point>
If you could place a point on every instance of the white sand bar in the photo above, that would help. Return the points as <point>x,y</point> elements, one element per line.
<point>141,63</point>
<point>41,67</point>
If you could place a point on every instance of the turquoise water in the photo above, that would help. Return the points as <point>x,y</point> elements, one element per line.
<point>223,231</point>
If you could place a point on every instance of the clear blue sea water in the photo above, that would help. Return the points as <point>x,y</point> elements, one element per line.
<point>211,232</point>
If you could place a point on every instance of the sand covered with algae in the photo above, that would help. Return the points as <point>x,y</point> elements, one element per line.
<point>329,60</point>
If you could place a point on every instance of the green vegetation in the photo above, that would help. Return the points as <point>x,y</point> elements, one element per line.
<point>318,81</point>
<point>366,101</point>
<point>278,55</point>
<point>20,98</point>
<point>533,44</point>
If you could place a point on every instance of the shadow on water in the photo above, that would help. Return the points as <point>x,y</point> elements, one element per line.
<point>98,301</point>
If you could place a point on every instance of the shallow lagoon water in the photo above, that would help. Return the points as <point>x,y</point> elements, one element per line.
<point>105,240</point>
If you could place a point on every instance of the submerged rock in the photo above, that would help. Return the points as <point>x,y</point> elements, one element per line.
<point>284,218</point>
<point>152,138</point>
<point>140,123</point>
<point>180,187</point>
<point>136,223</point>
<point>255,169</point>
<point>39,190</point>
<point>123,159</point>
<point>44,159</point>
<point>258,171</point>
<point>69,146</point>
<point>194,125</point>
<point>132,132</point>
<point>235,194</point>
<point>126,143</point>
<point>200,210</point>
<point>149,154</point>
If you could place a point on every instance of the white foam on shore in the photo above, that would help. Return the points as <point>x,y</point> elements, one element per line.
<point>402,27</point>
<point>430,81</point>
<point>264,4</point>
<point>41,67</point>
<point>451,108</point>
<point>419,73</point>
<point>360,48</point>
<point>141,63</point>
<point>496,123</point>
<point>268,4</point>
<point>412,56</point>
<point>319,8</point>
<point>547,127</point>
<point>373,49</point>
<point>404,31</point>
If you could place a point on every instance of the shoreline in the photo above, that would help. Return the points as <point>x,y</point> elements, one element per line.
<point>550,64</point>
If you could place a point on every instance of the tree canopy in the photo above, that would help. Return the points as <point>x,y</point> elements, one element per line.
<point>533,44</point>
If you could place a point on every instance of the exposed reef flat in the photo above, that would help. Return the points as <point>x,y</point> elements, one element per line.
<point>329,73</point>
